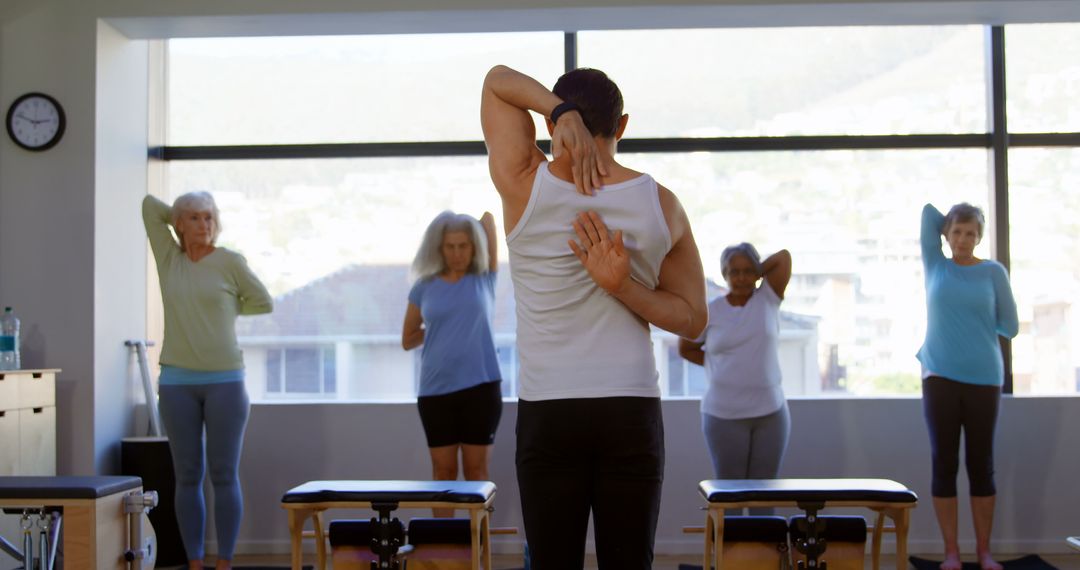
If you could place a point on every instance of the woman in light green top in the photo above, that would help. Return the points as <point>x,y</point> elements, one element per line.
<point>203,289</point>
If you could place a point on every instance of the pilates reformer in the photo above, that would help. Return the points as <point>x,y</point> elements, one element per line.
<point>88,522</point>
<point>888,499</point>
<point>387,534</point>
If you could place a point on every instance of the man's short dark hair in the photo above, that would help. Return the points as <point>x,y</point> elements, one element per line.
<point>598,97</point>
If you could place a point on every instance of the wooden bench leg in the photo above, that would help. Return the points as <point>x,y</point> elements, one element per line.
<point>474,537</point>
<point>486,536</point>
<point>901,519</point>
<point>714,539</point>
<point>297,518</point>
<point>320,538</point>
<point>875,549</point>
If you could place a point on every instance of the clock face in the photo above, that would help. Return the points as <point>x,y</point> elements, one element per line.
<point>35,121</point>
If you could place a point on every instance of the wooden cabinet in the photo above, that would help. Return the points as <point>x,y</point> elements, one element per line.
<point>28,422</point>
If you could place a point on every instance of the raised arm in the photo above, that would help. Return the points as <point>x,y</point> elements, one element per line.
<point>157,217</point>
<point>254,298</point>
<point>412,331</point>
<point>777,271</point>
<point>678,303</point>
<point>930,235</point>
<point>510,136</point>
<point>488,222</point>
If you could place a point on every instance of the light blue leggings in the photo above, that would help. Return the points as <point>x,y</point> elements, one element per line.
<point>223,409</point>
<point>748,448</point>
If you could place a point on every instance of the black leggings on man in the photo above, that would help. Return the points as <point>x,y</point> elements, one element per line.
<point>604,455</point>
<point>949,407</point>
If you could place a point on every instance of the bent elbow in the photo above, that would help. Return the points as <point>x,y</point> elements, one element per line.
<point>697,325</point>
<point>494,73</point>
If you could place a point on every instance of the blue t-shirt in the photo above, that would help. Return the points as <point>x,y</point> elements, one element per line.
<point>967,308</point>
<point>459,348</point>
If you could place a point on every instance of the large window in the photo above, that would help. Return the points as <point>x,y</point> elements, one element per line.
<point>333,240</point>
<point>795,81</point>
<point>1043,78</point>
<point>333,237</point>
<point>386,88</point>
<point>1045,225</point>
<point>854,312</point>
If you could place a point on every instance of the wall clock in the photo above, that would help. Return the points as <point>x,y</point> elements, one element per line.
<point>36,121</point>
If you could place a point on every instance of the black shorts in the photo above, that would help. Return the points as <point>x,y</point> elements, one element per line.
<point>468,416</point>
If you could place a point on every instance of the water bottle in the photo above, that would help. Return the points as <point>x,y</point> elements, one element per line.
<point>9,340</point>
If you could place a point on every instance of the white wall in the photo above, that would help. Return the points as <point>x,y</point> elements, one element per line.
<point>47,213</point>
<point>71,253</point>
<point>1037,464</point>
<point>119,264</point>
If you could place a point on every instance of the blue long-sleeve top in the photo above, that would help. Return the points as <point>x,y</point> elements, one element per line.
<point>967,307</point>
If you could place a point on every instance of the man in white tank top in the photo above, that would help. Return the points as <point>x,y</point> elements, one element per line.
<point>590,432</point>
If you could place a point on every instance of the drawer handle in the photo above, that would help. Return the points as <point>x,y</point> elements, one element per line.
<point>38,410</point>
<point>36,375</point>
<point>2,414</point>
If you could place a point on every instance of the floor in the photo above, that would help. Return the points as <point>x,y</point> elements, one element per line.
<point>1061,561</point>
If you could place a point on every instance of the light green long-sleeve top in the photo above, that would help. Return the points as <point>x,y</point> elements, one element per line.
<point>202,299</point>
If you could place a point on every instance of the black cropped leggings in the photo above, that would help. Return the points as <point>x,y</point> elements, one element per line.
<point>950,407</point>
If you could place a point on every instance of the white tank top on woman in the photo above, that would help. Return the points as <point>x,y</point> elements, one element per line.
<point>575,340</point>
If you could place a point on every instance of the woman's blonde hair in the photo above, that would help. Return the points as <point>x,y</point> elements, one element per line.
<point>196,202</point>
<point>429,260</point>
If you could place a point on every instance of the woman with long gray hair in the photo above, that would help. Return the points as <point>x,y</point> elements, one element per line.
<point>203,289</point>
<point>450,311</point>
<point>969,304</point>
<point>744,414</point>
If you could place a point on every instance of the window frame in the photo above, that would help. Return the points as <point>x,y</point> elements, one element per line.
<point>997,140</point>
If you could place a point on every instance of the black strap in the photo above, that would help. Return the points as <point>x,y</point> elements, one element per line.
<point>561,108</point>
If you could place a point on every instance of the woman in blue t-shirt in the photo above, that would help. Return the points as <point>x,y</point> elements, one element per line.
<point>450,313</point>
<point>969,304</point>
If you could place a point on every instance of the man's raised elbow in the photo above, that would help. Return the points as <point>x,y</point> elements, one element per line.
<point>494,73</point>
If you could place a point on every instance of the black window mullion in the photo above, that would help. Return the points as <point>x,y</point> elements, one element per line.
<point>643,145</point>
<point>569,51</point>
<point>999,164</point>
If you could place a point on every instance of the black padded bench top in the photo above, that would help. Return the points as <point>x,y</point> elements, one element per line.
<point>397,491</point>
<point>800,490</point>
<point>65,487</point>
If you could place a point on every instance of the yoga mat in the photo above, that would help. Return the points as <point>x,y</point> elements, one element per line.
<point>1029,562</point>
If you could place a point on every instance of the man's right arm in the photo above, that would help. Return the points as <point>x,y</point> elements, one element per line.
<point>678,303</point>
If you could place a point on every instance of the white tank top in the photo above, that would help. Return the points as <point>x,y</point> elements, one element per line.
<point>574,340</point>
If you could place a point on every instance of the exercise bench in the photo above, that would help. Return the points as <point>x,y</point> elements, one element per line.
<point>887,498</point>
<point>310,500</point>
<point>104,519</point>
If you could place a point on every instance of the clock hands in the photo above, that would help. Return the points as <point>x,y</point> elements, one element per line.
<point>35,122</point>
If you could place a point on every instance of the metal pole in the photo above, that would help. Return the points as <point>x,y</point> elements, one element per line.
<point>148,387</point>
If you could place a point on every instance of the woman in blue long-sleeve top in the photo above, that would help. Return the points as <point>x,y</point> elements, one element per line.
<point>969,304</point>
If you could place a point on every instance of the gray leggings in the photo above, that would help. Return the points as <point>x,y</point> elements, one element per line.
<point>748,448</point>
<point>223,409</point>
